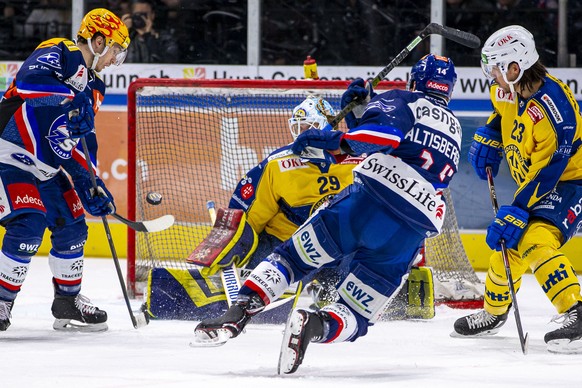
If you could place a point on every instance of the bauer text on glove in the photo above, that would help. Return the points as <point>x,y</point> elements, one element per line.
<point>509,225</point>
<point>486,150</point>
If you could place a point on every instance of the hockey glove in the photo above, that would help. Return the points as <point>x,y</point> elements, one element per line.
<point>509,225</point>
<point>321,139</point>
<point>486,150</point>
<point>361,91</point>
<point>80,116</point>
<point>98,203</point>
<point>231,241</point>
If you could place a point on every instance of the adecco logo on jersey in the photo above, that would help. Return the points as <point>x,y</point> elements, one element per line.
<point>437,86</point>
<point>25,195</point>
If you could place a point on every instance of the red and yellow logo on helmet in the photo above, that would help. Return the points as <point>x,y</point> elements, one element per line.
<point>105,22</point>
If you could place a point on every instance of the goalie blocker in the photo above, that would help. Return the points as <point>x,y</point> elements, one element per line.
<point>231,241</point>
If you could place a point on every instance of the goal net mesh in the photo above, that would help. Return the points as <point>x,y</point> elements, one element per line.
<point>192,141</point>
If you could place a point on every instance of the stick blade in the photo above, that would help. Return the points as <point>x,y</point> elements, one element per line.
<point>461,37</point>
<point>159,224</point>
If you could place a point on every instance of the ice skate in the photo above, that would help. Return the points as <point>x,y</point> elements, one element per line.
<point>76,313</point>
<point>5,309</point>
<point>217,331</point>
<point>479,324</point>
<point>302,327</point>
<point>568,338</point>
<point>322,293</point>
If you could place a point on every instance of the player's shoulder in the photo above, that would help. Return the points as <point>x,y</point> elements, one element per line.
<point>284,152</point>
<point>500,97</point>
<point>555,98</point>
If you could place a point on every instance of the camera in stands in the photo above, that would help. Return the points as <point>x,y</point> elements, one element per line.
<point>138,20</point>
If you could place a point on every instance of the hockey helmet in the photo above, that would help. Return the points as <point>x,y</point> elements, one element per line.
<point>434,75</point>
<point>507,45</point>
<point>105,22</point>
<point>311,113</point>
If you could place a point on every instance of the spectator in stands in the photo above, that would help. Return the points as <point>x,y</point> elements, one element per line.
<point>49,18</point>
<point>149,45</point>
<point>473,16</point>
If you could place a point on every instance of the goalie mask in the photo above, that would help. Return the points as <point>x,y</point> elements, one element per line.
<point>311,113</point>
<point>505,46</point>
<point>435,75</point>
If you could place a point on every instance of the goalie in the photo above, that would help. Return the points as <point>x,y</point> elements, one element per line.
<point>274,198</point>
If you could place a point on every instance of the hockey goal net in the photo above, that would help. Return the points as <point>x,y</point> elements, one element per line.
<point>192,140</point>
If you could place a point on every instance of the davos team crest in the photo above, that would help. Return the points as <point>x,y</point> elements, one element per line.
<point>59,139</point>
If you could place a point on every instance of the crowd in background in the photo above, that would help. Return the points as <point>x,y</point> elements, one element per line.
<point>335,32</point>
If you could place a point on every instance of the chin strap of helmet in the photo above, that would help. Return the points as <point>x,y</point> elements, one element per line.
<point>96,56</point>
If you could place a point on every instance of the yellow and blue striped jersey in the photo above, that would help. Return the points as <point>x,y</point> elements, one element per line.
<point>280,193</point>
<point>541,138</point>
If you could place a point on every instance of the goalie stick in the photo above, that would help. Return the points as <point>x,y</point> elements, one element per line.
<point>523,339</point>
<point>142,319</point>
<point>461,37</point>
<point>151,226</point>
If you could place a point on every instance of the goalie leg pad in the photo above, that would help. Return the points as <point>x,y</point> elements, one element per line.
<point>232,240</point>
<point>420,290</point>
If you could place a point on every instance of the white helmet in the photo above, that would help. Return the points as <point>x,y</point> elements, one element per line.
<point>507,45</point>
<point>312,111</point>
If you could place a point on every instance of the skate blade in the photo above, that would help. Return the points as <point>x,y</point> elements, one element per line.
<point>290,344</point>
<point>565,346</point>
<point>485,333</point>
<point>204,339</point>
<point>76,326</point>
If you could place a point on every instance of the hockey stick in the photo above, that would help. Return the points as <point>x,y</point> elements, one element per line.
<point>461,37</point>
<point>142,319</point>
<point>523,339</point>
<point>151,226</point>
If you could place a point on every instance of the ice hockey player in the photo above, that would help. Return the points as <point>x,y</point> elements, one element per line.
<point>46,110</point>
<point>378,223</point>
<point>281,192</point>
<point>537,123</point>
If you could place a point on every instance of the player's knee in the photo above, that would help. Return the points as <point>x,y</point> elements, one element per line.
<point>310,247</point>
<point>70,239</point>
<point>341,324</point>
<point>24,235</point>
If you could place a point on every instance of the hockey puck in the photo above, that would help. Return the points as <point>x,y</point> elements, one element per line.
<point>154,198</point>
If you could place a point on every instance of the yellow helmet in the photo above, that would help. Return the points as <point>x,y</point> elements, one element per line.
<point>107,23</point>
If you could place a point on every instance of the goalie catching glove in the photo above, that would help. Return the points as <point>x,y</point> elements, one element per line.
<point>231,241</point>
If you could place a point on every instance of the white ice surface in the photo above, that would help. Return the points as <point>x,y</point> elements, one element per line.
<point>395,354</point>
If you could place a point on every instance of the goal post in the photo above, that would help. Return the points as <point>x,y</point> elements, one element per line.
<point>193,140</point>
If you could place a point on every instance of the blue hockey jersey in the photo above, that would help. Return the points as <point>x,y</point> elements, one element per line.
<point>414,142</point>
<point>33,129</point>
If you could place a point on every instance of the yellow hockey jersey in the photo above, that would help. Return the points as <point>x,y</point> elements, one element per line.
<point>280,193</point>
<point>541,138</point>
